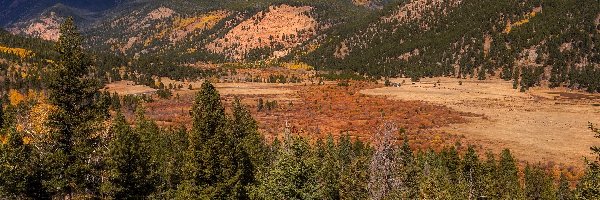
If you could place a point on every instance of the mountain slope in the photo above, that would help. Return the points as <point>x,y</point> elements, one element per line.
<point>532,42</point>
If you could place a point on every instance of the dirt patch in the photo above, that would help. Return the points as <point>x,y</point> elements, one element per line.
<point>541,125</point>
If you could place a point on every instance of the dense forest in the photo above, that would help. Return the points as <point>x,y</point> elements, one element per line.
<point>72,144</point>
<point>515,40</point>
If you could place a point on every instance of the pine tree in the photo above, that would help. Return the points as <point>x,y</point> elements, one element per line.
<point>207,138</point>
<point>564,192</point>
<point>481,74</point>
<point>409,172</point>
<point>328,174</point>
<point>115,102</point>
<point>152,142</point>
<point>354,175</point>
<point>218,157</point>
<point>247,148</point>
<point>73,162</point>
<point>260,105</point>
<point>292,174</point>
<point>537,184</point>
<point>509,180</point>
<point>490,183</point>
<point>127,164</point>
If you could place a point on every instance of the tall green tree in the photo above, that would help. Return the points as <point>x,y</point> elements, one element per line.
<point>508,179</point>
<point>538,185</point>
<point>127,164</point>
<point>248,150</point>
<point>73,159</point>
<point>292,175</point>
<point>328,174</point>
<point>206,139</point>
<point>219,160</point>
<point>564,192</point>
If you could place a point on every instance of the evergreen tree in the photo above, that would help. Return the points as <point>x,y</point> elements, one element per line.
<point>291,175</point>
<point>73,161</point>
<point>509,179</point>
<point>354,175</point>
<point>115,102</point>
<point>152,142</point>
<point>247,149</point>
<point>490,178</point>
<point>218,159</point>
<point>409,188</point>
<point>537,184</point>
<point>127,164</point>
<point>481,74</point>
<point>328,174</point>
<point>207,138</point>
<point>564,192</point>
<point>260,105</point>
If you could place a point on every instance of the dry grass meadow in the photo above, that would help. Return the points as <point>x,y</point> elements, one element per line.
<point>540,125</point>
<point>547,126</point>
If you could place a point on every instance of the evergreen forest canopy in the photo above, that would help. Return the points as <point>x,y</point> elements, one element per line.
<point>82,151</point>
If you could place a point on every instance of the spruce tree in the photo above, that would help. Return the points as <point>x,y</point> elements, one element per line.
<point>73,161</point>
<point>409,172</point>
<point>354,175</point>
<point>564,192</point>
<point>218,158</point>
<point>537,184</point>
<point>509,179</point>
<point>206,139</point>
<point>292,174</point>
<point>247,148</point>
<point>127,164</point>
<point>328,174</point>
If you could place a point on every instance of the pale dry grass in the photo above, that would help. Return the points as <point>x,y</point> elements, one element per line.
<point>541,125</point>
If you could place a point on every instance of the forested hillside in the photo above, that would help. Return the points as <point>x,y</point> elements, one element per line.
<point>531,42</point>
